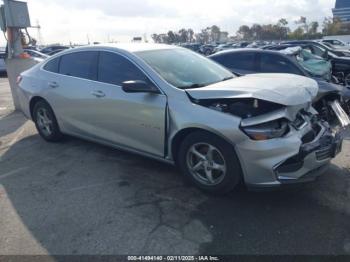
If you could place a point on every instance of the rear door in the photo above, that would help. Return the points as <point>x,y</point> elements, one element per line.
<point>69,90</point>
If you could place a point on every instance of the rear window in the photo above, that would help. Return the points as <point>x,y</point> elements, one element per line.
<point>79,64</point>
<point>52,65</point>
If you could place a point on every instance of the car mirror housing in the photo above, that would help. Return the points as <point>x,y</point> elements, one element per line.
<point>138,86</point>
<point>326,55</point>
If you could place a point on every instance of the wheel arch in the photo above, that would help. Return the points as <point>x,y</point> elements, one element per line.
<point>181,134</point>
<point>32,103</point>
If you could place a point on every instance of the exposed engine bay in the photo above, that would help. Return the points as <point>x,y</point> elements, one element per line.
<point>262,120</point>
<point>244,108</point>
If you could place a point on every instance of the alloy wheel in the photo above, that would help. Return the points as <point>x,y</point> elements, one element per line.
<point>44,121</point>
<point>206,164</point>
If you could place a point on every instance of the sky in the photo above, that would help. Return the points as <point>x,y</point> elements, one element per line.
<point>78,21</point>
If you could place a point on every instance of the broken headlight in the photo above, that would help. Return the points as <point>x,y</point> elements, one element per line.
<point>266,131</point>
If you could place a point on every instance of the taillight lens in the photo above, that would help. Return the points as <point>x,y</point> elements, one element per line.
<point>18,80</point>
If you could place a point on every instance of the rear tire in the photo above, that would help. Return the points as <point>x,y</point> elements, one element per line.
<point>45,122</point>
<point>209,162</point>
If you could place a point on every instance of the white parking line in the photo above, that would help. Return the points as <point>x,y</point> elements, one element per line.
<point>13,172</point>
<point>93,185</point>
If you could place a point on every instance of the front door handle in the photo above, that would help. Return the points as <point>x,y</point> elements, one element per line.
<point>98,93</point>
<point>53,84</point>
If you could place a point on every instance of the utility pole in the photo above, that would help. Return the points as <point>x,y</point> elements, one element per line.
<point>40,38</point>
<point>14,17</point>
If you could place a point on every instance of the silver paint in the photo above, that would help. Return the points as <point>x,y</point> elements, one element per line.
<point>148,123</point>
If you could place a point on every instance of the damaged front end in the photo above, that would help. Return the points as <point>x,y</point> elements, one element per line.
<point>292,140</point>
<point>331,104</point>
<point>263,120</point>
<point>287,140</point>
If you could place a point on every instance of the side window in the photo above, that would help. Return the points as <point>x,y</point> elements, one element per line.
<point>80,64</point>
<point>336,42</point>
<point>52,65</point>
<point>270,63</point>
<point>243,61</point>
<point>318,51</point>
<point>115,69</point>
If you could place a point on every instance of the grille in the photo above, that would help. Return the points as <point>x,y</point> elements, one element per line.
<point>299,122</point>
<point>311,135</point>
<point>324,153</point>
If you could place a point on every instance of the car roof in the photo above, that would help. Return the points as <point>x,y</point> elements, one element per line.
<point>129,47</point>
<point>244,50</point>
<point>300,41</point>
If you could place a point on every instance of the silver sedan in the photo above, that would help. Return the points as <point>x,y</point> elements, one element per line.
<point>171,104</point>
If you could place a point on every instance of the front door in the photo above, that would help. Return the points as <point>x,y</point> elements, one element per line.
<point>134,120</point>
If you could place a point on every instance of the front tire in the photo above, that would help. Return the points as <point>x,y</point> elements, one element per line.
<point>45,122</point>
<point>209,162</point>
<point>207,53</point>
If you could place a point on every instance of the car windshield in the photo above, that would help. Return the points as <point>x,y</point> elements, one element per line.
<point>185,69</point>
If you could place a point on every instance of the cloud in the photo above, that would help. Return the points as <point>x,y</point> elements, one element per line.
<point>102,20</point>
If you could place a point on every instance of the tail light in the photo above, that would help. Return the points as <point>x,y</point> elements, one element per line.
<point>19,79</point>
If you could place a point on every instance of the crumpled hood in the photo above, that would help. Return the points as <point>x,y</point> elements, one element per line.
<point>285,89</point>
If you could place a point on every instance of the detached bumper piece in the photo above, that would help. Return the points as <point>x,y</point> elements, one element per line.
<point>319,146</point>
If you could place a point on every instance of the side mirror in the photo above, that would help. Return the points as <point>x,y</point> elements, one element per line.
<point>138,86</point>
<point>325,55</point>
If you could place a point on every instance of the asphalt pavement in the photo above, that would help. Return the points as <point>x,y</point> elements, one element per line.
<point>77,197</point>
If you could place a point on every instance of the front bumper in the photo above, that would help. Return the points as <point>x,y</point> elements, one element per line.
<point>299,157</point>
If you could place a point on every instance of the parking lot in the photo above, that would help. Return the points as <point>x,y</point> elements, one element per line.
<point>77,197</point>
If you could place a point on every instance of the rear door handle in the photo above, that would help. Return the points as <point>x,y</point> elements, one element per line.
<point>98,93</point>
<point>53,84</point>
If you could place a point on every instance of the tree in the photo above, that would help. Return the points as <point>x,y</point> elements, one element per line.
<point>245,32</point>
<point>303,22</point>
<point>283,22</point>
<point>257,31</point>
<point>171,37</point>
<point>215,33</point>
<point>297,34</point>
<point>283,28</point>
<point>204,36</point>
<point>313,28</point>
<point>183,35</point>
<point>155,38</point>
<point>190,34</point>
<point>335,27</point>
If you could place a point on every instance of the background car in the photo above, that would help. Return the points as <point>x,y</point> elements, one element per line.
<point>51,48</point>
<point>222,47</point>
<point>252,61</point>
<point>207,49</point>
<point>192,46</point>
<point>340,59</point>
<point>55,52</point>
<point>242,44</point>
<point>335,43</point>
<point>320,46</point>
<point>2,60</point>
<point>36,54</point>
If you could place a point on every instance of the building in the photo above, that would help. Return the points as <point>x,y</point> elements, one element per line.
<point>342,10</point>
